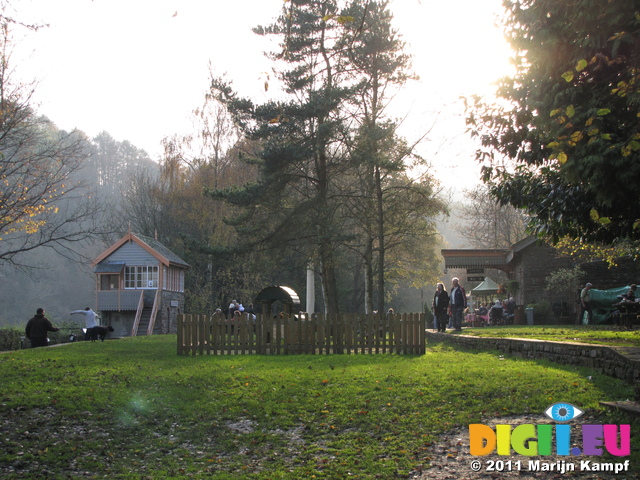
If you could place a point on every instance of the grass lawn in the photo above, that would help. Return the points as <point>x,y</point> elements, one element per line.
<point>132,408</point>
<point>602,335</point>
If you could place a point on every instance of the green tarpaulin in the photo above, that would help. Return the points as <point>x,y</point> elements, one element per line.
<point>602,303</point>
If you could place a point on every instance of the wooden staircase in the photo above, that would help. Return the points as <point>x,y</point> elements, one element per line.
<point>145,318</point>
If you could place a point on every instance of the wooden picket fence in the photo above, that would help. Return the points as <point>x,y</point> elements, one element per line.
<point>304,334</point>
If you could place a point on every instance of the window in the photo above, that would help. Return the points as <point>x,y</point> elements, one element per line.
<point>109,282</point>
<point>173,279</point>
<point>141,277</point>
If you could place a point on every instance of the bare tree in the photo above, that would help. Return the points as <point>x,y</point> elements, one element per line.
<point>489,224</point>
<point>41,203</point>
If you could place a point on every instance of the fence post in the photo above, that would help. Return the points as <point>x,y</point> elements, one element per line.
<point>410,334</point>
<point>193,344</point>
<point>201,335</point>
<point>323,334</point>
<point>179,333</point>
<point>405,333</point>
<point>216,330</point>
<point>423,336</point>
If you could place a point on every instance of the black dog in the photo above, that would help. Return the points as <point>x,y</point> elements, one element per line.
<point>101,332</point>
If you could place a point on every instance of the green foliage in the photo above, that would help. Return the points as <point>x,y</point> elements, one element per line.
<point>568,119</point>
<point>132,408</point>
<point>10,339</point>
<point>541,312</point>
<point>513,287</point>
<point>564,282</point>
<point>333,178</point>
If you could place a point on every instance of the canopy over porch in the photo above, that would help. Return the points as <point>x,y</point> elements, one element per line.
<point>476,259</point>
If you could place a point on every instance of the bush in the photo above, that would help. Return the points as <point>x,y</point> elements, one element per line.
<point>541,312</point>
<point>428,315</point>
<point>67,327</point>
<point>10,339</point>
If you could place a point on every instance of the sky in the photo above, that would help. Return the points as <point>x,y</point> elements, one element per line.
<point>138,68</point>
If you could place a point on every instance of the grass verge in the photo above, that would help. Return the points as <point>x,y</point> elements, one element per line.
<point>132,408</point>
<point>594,334</point>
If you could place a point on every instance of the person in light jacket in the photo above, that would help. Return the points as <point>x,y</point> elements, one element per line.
<point>89,320</point>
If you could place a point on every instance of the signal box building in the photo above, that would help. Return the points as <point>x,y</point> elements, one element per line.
<point>139,286</point>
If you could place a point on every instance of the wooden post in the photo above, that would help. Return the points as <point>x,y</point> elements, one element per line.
<point>200,334</point>
<point>192,334</point>
<point>179,332</point>
<point>423,335</point>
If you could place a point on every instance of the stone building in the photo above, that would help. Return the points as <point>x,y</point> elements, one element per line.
<point>526,266</point>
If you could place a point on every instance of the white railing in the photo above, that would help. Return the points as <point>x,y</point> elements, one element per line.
<point>136,322</point>
<point>154,312</point>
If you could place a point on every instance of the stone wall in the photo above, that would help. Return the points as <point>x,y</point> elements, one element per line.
<point>168,315</point>
<point>607,360</point>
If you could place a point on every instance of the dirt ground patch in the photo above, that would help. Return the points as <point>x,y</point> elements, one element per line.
<point>450,459</point>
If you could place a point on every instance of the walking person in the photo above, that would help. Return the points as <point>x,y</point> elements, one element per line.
<point>89,321</point>
<point>38,328</point>
<point>457,303</point>
<point>440,306</point>
<point>585,305</point>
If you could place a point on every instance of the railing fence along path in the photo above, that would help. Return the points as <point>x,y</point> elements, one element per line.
<point>301,334</point>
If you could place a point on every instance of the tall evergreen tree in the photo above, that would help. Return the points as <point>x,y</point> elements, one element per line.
<point>295,201</point>
<point>380,67</point>
<point>333,171</point>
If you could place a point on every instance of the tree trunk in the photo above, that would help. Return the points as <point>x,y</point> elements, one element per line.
<point>381,246</point>
<point>328,274</point>
<point>368,276</point>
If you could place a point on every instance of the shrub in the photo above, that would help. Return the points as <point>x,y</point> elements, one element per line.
<point>541,312</point>
<point>10,338</point>
<point>67,327</point>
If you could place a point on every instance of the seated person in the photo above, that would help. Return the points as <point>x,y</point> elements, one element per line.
<point>496,313</point>
<point>510,311</point>
<point>483,315</point>
<point>628,307</point>
<point>630,296</point>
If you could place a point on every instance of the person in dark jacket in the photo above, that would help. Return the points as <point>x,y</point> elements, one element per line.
<point>440,306</point>
<point>457,303</point>
<point>38,328</point>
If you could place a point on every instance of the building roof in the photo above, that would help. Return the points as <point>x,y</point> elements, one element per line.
<point>498,259</point>
<point>162,250</point>
<point>475,258</point>
<point>151,245</point>
<point>109,268</point>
